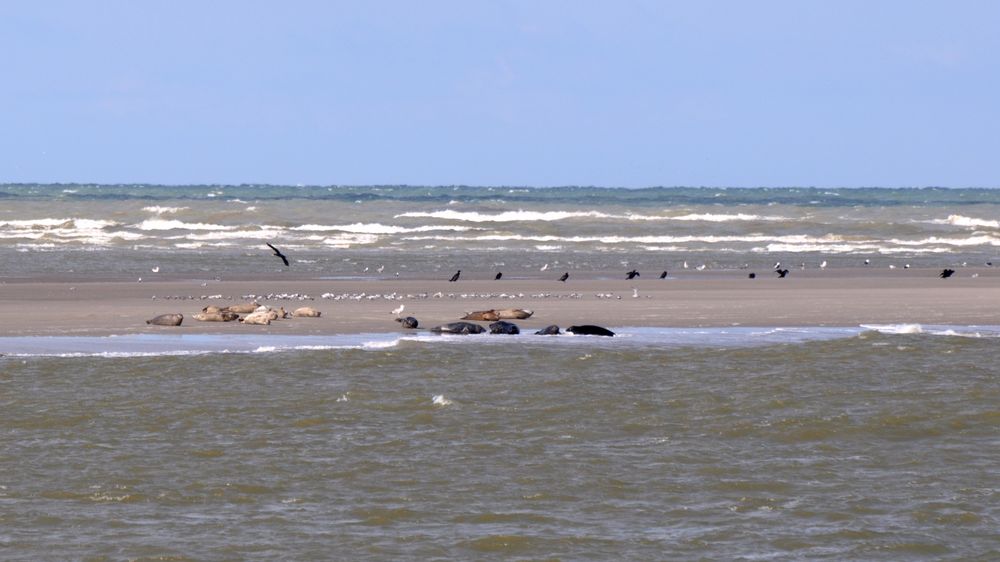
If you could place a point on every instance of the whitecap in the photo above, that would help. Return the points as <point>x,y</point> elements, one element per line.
<point>160,224</point>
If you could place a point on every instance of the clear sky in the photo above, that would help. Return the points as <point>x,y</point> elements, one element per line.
<point>533,92</point>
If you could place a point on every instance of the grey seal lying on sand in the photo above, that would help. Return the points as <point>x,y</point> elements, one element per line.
<point>173,319</point>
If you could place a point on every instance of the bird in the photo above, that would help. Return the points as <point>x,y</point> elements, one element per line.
<point>777,264</point>
<point>635,293</point>
<point>946,273</point>
<point>701,267</point>
<point>867,261</point>
<point>685,265</point>
<point>544,267</point>
<point>498,276</point>
<point>155,269</point>
<point>752,276</point>
<point>278,253</point>
<point>782,273</point>
<point>632,274</point>
<point>564,277</point>
<point>398,309</point>
<point>906,266</point>
<point>455,277</point>
<point>663,275</point>
<point>823,265</point>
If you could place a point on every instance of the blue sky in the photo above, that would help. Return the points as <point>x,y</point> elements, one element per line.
<point>630,93</point>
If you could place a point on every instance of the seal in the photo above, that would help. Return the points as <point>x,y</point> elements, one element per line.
<point>482,315</point>
<point>459,328</point>
<point>210,309</point>
<point>589,330</point>
<point>306,312</point>
<point>262,318</point>
<point>408,322</point>
<point>173,319</point>
<point>224,316</point>
<point>514,313</point>
<point>552,330</point>
<point>503,327</point>
<point>242,308</point>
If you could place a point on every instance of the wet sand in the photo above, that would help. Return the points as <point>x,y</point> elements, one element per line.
<point>809,298</point>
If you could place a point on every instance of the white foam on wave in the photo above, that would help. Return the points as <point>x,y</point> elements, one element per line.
<point>618,239</point>
<point>64,224</point>
<point>260,234</point>
<point>162,224</point>
<point>376,228</point>
<point>505,216</point>
<point>709,217</point>
<point>895,328</point>
<point>522,215</point>
<point>158,210</point>
<point>961,220</point>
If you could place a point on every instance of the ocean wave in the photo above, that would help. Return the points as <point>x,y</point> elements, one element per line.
<point>619,239</point>
<point>377,228</point>
<point>65,224</point>
<point>708,217</point>
<point>160,224</point>
<point>162,210</point>
<point>935,330</point>
<point>506,216</point>
<point>263,234</point>
<point>960,220</point>
<point>526,216</point>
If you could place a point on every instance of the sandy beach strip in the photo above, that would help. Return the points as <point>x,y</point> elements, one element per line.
<point>81,307</point>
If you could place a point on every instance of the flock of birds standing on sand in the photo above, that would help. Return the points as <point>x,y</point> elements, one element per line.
<point>257,314</point>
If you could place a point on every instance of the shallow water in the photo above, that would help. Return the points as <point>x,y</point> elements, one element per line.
<point>860,444</point>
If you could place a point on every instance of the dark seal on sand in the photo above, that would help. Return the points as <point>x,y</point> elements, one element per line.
<point>174,319</point>
<point>459,328</point>
<point>552,330</point>
<point>408,322</point>
<point>503,327</point>
<point>589,330</point>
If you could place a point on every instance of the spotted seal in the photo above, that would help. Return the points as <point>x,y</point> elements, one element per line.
<point>173,319</point>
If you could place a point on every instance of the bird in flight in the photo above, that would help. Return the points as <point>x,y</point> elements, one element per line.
<point>455,277</point>
<point>564,277</point>
<point>278,253</point>
<point>781,273</point>
<point>632,274</point>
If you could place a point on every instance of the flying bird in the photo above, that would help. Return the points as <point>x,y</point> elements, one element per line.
<point>544,267</point>
<point>455,277</point>
<point>663,275</point>
<point>946,273</point>
<point>782,273</point>
<point>498,276</point>
<point>632,274</point>
<point>278,253</point>
<point>564,277</point>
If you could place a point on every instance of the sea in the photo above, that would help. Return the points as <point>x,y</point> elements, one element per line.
<point>873,442</point>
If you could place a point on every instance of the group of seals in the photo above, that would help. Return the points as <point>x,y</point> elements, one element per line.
<point>493,315</point>
<point>255,314</point>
